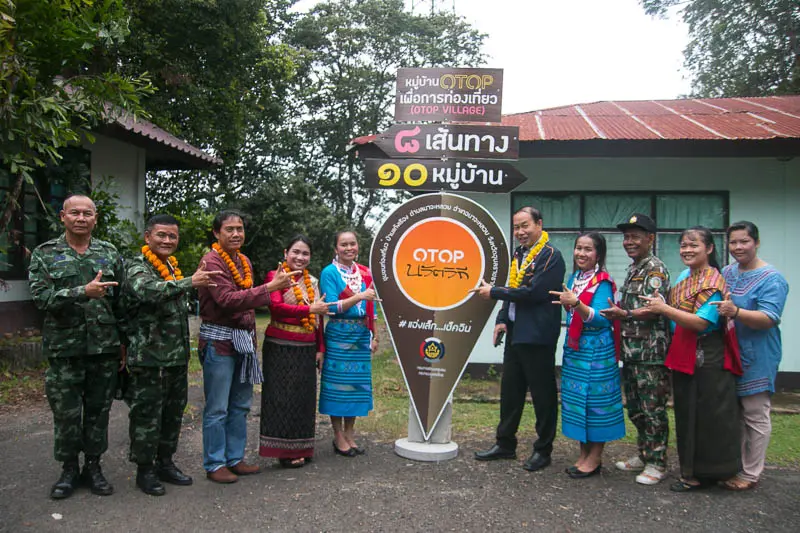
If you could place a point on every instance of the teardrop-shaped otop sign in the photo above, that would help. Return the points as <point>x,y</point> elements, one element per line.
<point>427,256</point>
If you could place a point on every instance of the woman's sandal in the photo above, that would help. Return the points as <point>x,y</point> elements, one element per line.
<point>738,484</point>
<point>684,486</point>
<point>293,463</point>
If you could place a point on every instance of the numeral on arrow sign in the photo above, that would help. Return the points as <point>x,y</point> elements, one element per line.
<point>389,174</point>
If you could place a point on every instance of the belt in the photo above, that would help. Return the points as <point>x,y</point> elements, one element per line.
<point>288,327</point>
<point>359,320</point>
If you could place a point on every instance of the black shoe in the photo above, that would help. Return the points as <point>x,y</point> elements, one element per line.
<point>350,452</point>
<point>68,481</point>
<point>168,472</point>
<point>536,462</point>
<point>495,452</point>
<point>577,473</point>
<point>92,476</point>
<point>147,480</point>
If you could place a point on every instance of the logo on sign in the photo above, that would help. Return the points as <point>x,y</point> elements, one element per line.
<point>431,349</point>
<point>436,262</point>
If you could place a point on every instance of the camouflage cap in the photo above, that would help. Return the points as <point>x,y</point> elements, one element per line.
<point>638,221</point>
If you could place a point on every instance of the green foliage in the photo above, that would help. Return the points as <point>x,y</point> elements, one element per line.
<point>50,90</point>
<point>739,48</point>
<point>280,210</point>
<point>222,77</point>
<point>196,238</point>
<point>352,50</point>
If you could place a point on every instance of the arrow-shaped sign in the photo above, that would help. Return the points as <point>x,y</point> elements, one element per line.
<point>457,141</point>
<point>433,175</point>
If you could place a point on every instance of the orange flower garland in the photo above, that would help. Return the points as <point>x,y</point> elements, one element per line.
<point>242,283</point>
<point>311,322</point>
<point>161,267</point>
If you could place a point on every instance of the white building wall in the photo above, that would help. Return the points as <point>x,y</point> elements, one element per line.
<point>765,191</point>
<point>123,162</point>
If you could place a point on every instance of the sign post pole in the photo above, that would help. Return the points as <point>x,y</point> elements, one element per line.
<point>435,249</point>
<point>427,258</point>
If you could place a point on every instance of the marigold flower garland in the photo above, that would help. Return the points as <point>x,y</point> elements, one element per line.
<point>517,274</point>
<point>162,268</point>
<point>242,283</point>
<point>311,322</point>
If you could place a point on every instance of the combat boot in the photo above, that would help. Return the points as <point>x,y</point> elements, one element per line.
<point>147,480</point>
<point>168,472</point>
<point>68,481</point>
<point>92,476</point>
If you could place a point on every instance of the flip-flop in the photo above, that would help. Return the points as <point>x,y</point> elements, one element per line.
<point>738,484</point>
<point>682,486</point>
<point>293,463</point>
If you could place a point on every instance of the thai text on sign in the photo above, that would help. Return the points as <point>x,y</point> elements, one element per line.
<point>450,140</point>
<point>454,94</point>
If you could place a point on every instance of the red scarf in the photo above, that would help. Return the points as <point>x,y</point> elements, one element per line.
<point>689,295</point>
<point>366,277</point>
<point>576,325</point>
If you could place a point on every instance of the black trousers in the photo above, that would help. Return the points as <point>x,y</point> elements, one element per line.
<point>528,367</point>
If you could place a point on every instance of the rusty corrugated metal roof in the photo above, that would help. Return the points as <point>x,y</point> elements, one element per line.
<point>151,131</point>
<point>687,119</point>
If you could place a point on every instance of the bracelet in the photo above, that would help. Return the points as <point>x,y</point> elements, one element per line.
<point>628,314</point>
<point>736,314</point>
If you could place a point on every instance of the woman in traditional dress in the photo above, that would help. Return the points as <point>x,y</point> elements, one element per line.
<point>757,296</point>
<point>591,399</point>
<point>704,359</point>
<point>293,350</point>
<point>350,340</point>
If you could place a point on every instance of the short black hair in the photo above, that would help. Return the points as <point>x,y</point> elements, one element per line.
<point>535,214</point>
<point>744,225</point>
<point>707,238</point>
<point>164,220</point>
<point>340,233</point>
<point>299,238</point>
<point>224,215</point>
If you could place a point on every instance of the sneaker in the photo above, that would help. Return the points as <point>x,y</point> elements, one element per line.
<point>651,475</point>
<point>634,464</point>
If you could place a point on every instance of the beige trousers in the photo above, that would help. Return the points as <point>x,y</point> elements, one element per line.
<point>756,429</point>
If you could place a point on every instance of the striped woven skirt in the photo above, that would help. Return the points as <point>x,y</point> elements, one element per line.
<point>346,384</point>
<point>288,400</point>
<point>591,400</point>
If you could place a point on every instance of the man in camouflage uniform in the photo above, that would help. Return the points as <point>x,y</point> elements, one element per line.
<point>74,279</point>
<point>158,355</point>
<point>645,338</point>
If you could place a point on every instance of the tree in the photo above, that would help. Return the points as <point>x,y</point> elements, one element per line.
<point>222,76</point>
<point>353,49</point>
<point>739,48</point>
<point>51,91</point>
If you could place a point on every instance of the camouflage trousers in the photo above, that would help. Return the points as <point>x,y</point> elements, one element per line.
<point>646,395</point>
<point>157,397</point>
<point>80,391</point>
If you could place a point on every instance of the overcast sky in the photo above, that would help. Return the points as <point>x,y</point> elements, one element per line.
<point>561,52</point>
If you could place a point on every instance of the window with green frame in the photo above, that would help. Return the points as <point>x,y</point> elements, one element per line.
<point>566,214</point>
<point>32,223</point>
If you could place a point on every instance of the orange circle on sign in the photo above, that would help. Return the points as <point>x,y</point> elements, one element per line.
<point>436,262</point>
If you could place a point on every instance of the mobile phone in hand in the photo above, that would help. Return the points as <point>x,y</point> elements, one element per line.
<point>499,339</point>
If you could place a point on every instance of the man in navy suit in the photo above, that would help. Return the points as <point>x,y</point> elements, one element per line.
<point>532,325</point>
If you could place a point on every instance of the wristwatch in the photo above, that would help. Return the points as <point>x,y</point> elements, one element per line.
<point>628,314</point>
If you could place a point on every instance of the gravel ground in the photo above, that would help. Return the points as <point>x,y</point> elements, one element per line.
<point>376,492</point>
